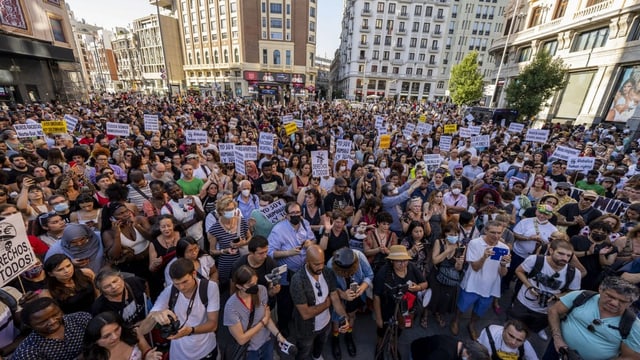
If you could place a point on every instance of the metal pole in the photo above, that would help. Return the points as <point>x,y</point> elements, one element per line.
<point>164,52</point>
<point>504,51</point>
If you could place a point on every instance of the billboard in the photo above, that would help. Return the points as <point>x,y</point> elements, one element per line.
<point>626,95</point>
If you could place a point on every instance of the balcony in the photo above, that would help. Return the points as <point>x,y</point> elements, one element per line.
<point>434,49</point>
<point>365,29</point>
<point>432,64</point>
<point>402,31</point>
<point>593,10</point>
<point>398,47</point>
<point>439,18</point>
<point>403,15</point>
<point>437,33</point>
<point>365,12</point>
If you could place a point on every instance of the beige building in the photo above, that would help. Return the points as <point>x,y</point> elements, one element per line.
<point>37,60</point>
<point>127,56</point>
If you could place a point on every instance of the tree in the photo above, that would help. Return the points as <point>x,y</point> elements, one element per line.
<point>536,83</point>
<point>466,83</point>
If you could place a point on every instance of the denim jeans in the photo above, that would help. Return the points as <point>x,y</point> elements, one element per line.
<point>311,346</point>
<point>265,352</point>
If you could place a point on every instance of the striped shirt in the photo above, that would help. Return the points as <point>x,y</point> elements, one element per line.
<point>224,240</point>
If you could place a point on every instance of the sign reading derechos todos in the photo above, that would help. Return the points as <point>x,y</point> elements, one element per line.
<point>16,255</point>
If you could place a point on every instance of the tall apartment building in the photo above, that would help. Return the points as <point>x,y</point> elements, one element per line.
<point>127,55</point>
<point>97,61</point>
<point>599,41</point>
<point>37,60</point>
<point>249,47</point>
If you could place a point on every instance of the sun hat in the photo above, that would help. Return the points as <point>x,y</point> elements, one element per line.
<point>398,252</point>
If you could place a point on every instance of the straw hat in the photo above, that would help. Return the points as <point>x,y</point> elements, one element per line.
<point>398,252</point>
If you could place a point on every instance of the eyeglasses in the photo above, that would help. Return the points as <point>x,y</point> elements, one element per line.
<point>2,193</point>
<point>319,288</point>
<point>588,199</point>
<point>592,327</point>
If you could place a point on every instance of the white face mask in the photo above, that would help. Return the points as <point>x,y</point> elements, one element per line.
<point>456,191</point>
<point>342,168</point>
<point>394,191</point>
<point>246,192</point>
<point>383,164</point>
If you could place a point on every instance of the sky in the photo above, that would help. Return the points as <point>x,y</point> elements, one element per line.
<point>112,13</point>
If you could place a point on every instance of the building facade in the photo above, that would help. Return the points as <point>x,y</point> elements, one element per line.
<point>599,42</point>
<point>37,60</point>
<point>126,50</point>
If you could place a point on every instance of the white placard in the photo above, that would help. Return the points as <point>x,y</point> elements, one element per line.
<point>382,131</point>
<point>250,152</point>
<point>239,162</point>
<point>564,153</point>
<point>379,122</point>
<point>320,163</point>
<point>445,143</point>
<point>515,127</point>
<point>475,130</point>
<point>469,117</point>
<point>580,163</point>
<point>196,136</point>
<point>432,159</point>
<point>287,119</point>
<point>227,153</point>
<point>266,143</point>
<point>151,122</point>
<point>233,122</point>
<point>16,254</point>
<point>275,211</point>
<point>537,135</point>
<point>117,129</point>
<point>424,128</point>
<point>72,122</point>
<point>464,132</point>
<point>28,130</point>
<point>408,130</point>
<point>299,123</point>
<point>319,121</point>
<point>480,141</point>
<point>343,149</point>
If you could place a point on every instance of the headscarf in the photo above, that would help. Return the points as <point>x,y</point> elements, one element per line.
<point>91,250</point>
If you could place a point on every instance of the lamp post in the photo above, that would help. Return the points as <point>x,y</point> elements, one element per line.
<point>167,74</point>
<point>504,51</point>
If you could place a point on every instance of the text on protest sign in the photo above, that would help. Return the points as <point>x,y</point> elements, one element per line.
<point>233,122</point>
<point>432,159</point>
<point>290,128</point>
<point>343,149</point>
<point>464,133</point>
<point>287,119</point>
<point>408,130</point>
<point>475,130</point>
<point>227,153</point>
<point>299,123</point>
<point>422,118</point>
<point>602,203</point>
<point>266,143</point>
<point>480,141</point>
<point>515,127</point>
<point>250,152</point>
<point>275,211</point>
<point>151,122</point>
<point>385,141</point>
<point>117,129</point>
<point>450,128</point>
<point>580,163</point>
<point>564,153</point>
<point>537,135</point>
<point>379,122</point>
<point>196,136</point>
<point>16,254</point>
<point>424,128</point>
<point>28,130</point>
<point>319,121</point>
<point>320,163</point>
<point>445,143</point>
<point>71,121</point>
<point>469,117</point>
<point>239,162</point>
<point>54,127</point>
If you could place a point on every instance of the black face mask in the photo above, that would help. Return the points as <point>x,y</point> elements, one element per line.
<point>252,290</point>
<point>295,219</point>
<point>598,237</point>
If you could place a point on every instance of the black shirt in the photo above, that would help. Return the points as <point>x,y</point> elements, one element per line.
<point>386,278</point>
<point>333,201</point>
<point>435,347</point>
<point>336,242</point>
<point>590,262</point>
<point>263,186</point>
<point>570,211</point>
<point>132,308</point>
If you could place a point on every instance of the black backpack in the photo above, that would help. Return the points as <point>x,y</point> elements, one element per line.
<point>535,270</point>
<point>494,351</point>
<point>203,288</point>
<point>12,304</point>
<point>626,321</point>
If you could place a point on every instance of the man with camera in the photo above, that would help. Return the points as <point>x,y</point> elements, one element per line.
<point>187,314</point>
<point>595,326</point>
<point>544,279</point>
<point>508,341</point>
<point>263,265</point>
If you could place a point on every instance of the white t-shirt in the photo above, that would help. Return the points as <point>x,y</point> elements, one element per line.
<point>531,227</point>
<point>485,282</point>
<point>184,214</point>
<point>206,263</point>
<point>324,317</point>
<point>502,348</point>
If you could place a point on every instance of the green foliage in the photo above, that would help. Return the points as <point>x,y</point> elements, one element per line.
<point>536,83</point>
<point>466,83</point>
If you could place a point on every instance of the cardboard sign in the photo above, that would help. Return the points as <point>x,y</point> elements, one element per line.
<point>233,122</point>
<point>475,130</point>
<point>408,130</point>
<point>564,153</point>
<point>320,163</point>
<point>580,163</point>
<point>196,136</point>
<point>28,130</point>
<point>266,143</point>
<point>239,162</point>
<point>16,254</point>
<point>515,127</point>
<point>424,128</point>
<point>469,117</point>
<point>343,149</point>
<point>445,143</point>
<point>275,211</point>
<point>464,133</point>
<point>249,152</point>
<point>432,159</point>
<point>117,129</point>
<point>71,121</point>
<point>379,122</point>
<point>299,123</point>
<point>537,135</point>
<point>227,153</point>
<point>290,128</point>
<point>55,127</point>
<point>385,141</point>
<point>422,118</point>
<point>480,141</point>
<point>450,128</point>
<point>287,119</point>
<point>151,123</point>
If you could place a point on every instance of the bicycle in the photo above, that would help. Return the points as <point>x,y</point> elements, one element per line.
<point>388,347</point>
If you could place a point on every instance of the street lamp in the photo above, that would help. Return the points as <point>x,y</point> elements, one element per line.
<point>504,51</point>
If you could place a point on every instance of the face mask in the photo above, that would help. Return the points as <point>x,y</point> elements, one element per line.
<point>252,290</point>
<point>62,207</point>
<point>297,148</point>
<point>452,239</point>
<point>383,164</point>
<point>342,168</point>
<point>295,219</point>
<point>394,191</point>
<point>371,161</point>
<point>598,237</point>
<point>33,272</point>
<point>456,191</point>
<point>610,167</point>
<point>229,214</point>
<point>246,192</point>
<point>353,156</point>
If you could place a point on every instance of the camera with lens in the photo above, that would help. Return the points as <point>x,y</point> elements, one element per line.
<point>276,274</point>
<point>544,297</point>
<point>169,329</point>
<point>549,281</point>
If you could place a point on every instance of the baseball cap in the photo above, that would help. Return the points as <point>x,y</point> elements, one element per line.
<point>563,185</point>
<point>458,166</point>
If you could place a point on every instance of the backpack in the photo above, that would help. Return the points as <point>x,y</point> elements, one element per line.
<point>537,268</point>
<point>203,288</point>
<point>626,321</point>
<point>12,304</point>
<point>494,351</point>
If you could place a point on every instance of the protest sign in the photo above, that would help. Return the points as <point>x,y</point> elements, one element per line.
<point>16,254</point>
<point>480,141</point>
<point>515,127</point>
<point>319,120</point>
<point>475,130</point>
<point>469,117</point>
<point>564,153</point>
<point>55,127</point>
<point>580,163</point>
<point>239,162</point>
<point>445,143</point>
<point>275,211</point>
<point>424,128</point>
<point>250,152</point>
<point>450,128</point>
<point>151,122</point>
<point>71,121</point>
<point>299,123</point>
<point>266,143</point>
<point>28,130</point>
<point>227,153</point>
<point>290,128</point>
<point>385,141</point>
<point>233,122</point>
<point>196,136</point>
<point>287,119</point>
<point>343,149</point>
<point>320,163</point>
<point>423,118</point>
<point>537,135</point>
<point>408,130</point>
<point>432,159</point>
<point>464,133</point>
<point>602,203</point>
<point>117,129</point>
<point>379,122</point>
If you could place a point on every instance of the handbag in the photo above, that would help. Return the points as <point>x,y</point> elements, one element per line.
<point>448,276</point>
<point>235,351</point>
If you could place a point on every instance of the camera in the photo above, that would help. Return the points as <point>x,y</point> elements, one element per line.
<point>549,281</point>
<point>170,329</point>
<point>544,297</point>
<point>276,274</point>
<point>289,349</point>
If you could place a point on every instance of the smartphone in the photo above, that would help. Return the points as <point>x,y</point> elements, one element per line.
<point>459,251</point>
<point>113,219</point>
<point>342,322</point>
<point>498,252</point>
<point>354,286</point>
<point>40,179</point>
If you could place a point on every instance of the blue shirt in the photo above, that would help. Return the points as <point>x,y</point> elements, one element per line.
<point>390,204</point>
<point>284,237</point>
<point>364,273</point>
<point>247,207</point>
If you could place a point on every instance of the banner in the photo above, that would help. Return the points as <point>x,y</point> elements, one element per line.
<point>385,141</point>
<point>151,123</point>
<point>266,143</point>
<point>464,133</point>
<point>227,153</point>
<point>537,135</point>
<point>28,130</point>
<point>16,254</point>
<point>249,152</point>
<point>343,149</point>
<point>445,143</point>
<point>580,163</point>
<point>515,127</point>
<point>55,127</point>
<point>290,128</point>
<point>602,203</point>
<point>196,136</point>
<point>71,121</point>
<point>564,153</point>
<point>450,128</point>
<point>480,141</point>
<point>275,211</point>
<point>117,129</point>
<point>320,163</point>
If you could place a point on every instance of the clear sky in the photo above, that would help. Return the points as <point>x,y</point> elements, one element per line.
<point>112,13</point>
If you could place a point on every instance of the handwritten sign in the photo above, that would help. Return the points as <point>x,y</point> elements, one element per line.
<point>469,117</point>
<point>71,121</point>
<point>537,135</point>
<point>515,127</point>
<point>250,152</point>
<point>445,143</point>
<point>239,162</point>
<point>580,163</point>
<point>475,130</point>
<point>290,128</point>
<point>379,122</point>
<point>602,203</point>
<point>287,119</point>
<point>265,145</point>
<point>227,153</point>
<point>54,127</point>
<point>117,129</point>
<point>424,128</point>
<point>432,159</point>
<point>275,211</point>
<point>464,132</point>
<point>408,130</point>
<point>233,122</point>
<point>151,122</point>
<point>319,121</point>
<point>343,149</point>
<point>450,128</point>
<point>196,136</point>
<point>28,130</point>
<point>320,163</point>
<point>385,141</point>
<point>480,141</point>
<point>422,118</point>
<point>16,255</point>
<point>564,153</point>
<point>299,123</point>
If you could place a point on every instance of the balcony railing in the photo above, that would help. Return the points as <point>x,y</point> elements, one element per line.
<point>592,10</point>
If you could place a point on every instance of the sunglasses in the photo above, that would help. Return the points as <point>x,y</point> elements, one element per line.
<point>588,199</point>
<point>2,193</point>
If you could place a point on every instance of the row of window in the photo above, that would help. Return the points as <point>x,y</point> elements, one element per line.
<point>404,9</point>
<point>276,57</point>
<point>222,9</point>
<point>276,8</point>
<point>213,60</point>
<point>405,86</point>
<point>587,40</point>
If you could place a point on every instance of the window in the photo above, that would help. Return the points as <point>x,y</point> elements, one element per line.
<point>412,56</point>
<point>401,26</point>
<point>536,17</point>
<point>367,6</point>
<point>312,26</point>
<point>561,8</point>
<point>363,39</point>
<point>389,24</point>
<point>417,10</point>
<point>233,7</point>
<point>312,59</point>
<point>378,24</point>
<point>385,55</point>
<point>524,54</point>
<point>276,57</point>
<point>550,47</point>
<point>427,88</point>
<point>217,60</point>
<point>288,9</point>
<point>387,40</point>
<point>226,56</point>
<point>396,56</point>
<point>380,7</point>
<point>385,69</point>
<point>222,10</point>
<point>374,68</point>
<point>634,34</point>
<point>375,55</point>
<point>429,72</point>
<point>288,23</point>
<point>428,11</point>
<point>287,57</point>
<point>440,13</point>
<point>419,71</point>
<point>440,84</point>
<point>276,23</point>
<point>264,22</point>
<point>423,43</point>
<point>275,8</point>
<point>276,35</point>
<point>413,42</point>
<point>206,57</point>
<point>399,42</point>
<point>396,70</point>
<point>408,71</point>
<point>312,12</point>
<point>415,27</point>
<point>376,40</point>
<point>236,55</point>
<point>392,8</point>
<point>264,7</point>
<point>426,27</point>
<point>591,39</point>
<point>432,59</point>
<point>434,45</point>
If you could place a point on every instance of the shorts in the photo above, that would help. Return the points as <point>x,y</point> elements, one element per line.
<point>480,304</point>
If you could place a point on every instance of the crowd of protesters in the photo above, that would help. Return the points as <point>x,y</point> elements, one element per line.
<point>149,245</point>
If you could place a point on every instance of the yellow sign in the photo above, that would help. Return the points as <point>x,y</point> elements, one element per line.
<point>290,128</point>
<point>450,128</point>
<point>54,127</point>
<point>385,141</point>
<point>423,118</point>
